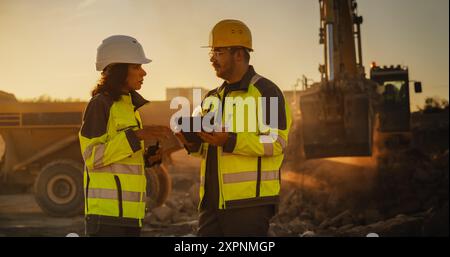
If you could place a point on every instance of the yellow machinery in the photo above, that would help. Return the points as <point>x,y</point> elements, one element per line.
<point>338,113</point>
<point>41,148</point>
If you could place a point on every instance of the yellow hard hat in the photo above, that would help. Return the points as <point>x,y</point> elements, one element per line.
<point>229,33</point>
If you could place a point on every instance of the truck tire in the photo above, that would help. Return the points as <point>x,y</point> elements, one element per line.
<point>159,186</point>
<point>58,189</point>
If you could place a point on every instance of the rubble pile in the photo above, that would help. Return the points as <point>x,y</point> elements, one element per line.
<point>178,216</point>
<point>333,197</point>
<point>401,192</point>
<point>328,198</point>
<point>413,182</point>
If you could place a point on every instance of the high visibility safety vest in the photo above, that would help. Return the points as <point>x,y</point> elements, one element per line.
<point>114,175</point>
<point>249,163</point>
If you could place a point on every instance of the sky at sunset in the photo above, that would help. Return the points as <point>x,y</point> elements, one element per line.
<point>49,46</point>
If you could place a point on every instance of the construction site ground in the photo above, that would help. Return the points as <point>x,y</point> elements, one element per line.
<point>20,215</point>
<point>324,197</point>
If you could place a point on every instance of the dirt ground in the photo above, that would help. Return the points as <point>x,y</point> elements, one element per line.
<point>21,216</point>
<point>327,197</point>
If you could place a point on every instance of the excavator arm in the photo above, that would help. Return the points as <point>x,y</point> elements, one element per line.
<point>339,27</point>
<point>336,113</point>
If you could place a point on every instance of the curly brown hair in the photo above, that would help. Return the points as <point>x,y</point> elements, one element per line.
<point>113,79</point>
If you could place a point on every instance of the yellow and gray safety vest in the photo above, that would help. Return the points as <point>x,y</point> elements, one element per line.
<point>248,165</point>
<point>114,178</point>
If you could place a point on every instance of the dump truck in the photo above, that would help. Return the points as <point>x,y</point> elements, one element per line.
<point>40,150</point>
<point>340,114</point>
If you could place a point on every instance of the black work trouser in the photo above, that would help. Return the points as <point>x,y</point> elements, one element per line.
<point>104,230</point>
<point>106,226</point>
<point>247,221</point>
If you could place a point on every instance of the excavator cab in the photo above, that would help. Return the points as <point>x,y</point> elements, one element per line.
<point>394,108</point>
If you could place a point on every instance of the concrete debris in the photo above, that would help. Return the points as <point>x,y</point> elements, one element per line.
<point>408,196</point>
<point>163,213</point>
<point>308,234</point>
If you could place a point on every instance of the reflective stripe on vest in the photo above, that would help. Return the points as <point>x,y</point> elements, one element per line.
<point>267,141</point>
<point>249,176</point>
<point>98,155</point>
<point>87,153</point>
<point>119,168</point>
<point>202,180</point>
<point>112,194</point>
<point>255,79</point>
<point>268,149</point>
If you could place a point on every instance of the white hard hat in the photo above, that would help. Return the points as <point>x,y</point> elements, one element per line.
<point>120,49</point>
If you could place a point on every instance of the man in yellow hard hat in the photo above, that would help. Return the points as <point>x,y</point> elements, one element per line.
<point>240,168</point>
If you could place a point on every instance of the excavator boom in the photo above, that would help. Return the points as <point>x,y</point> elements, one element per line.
<point>336,113</point>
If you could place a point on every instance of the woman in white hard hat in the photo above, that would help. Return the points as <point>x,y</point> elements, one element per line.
<point>111,139</point>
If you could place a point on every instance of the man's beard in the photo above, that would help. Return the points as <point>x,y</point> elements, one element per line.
<point>225,74</point>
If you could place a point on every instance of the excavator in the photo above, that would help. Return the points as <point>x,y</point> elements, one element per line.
<point>341,113</point>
